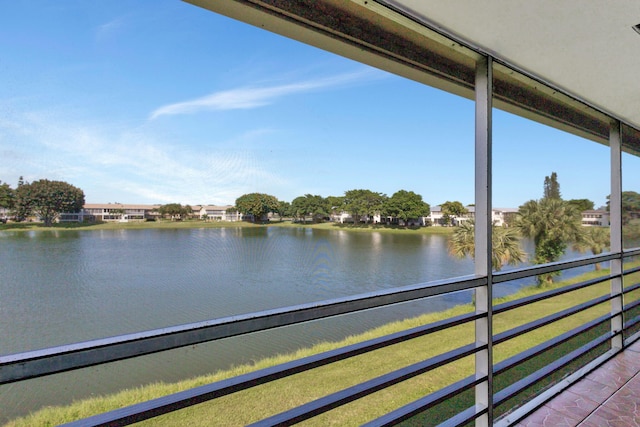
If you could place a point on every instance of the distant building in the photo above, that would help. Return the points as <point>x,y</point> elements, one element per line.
<point>217,213</point>
<point>437,218</point>
<point>596,218</point>
<point>346,217</point>
<point>340,217</point>
<point>105,212</point>
<point>109,212</point>
<point>501,217</point>
<point>113,212</point>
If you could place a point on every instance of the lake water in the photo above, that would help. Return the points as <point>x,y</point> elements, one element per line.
<point>59,287</point>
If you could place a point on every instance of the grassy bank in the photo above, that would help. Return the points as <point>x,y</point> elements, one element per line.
<point>36,226</point>
<point>251,405</point>
<point>133,225</point>
<point>630,232</point>
<point>364,228</point>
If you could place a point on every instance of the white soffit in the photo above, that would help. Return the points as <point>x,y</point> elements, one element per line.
<point>587,48</point>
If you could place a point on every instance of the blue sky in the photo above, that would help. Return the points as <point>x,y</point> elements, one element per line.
<point>160,102</point>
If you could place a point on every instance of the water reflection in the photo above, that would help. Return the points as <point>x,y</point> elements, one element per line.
<point>86,284</point>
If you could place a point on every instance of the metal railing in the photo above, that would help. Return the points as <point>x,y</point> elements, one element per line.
<point>32,364</point>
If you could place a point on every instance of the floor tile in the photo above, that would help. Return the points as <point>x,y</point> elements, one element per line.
<point>572,405</point>
<point>614,373</point>
<point>625,401</point>
<point>607,417</point>
<point>547,417</point>
<point>634,384</point>
<point>635,347</point>
<point>607,397</point>
<point>592,390</point>
<point>629,358</point>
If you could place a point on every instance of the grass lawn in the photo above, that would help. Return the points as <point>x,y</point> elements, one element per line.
<point>268,399</point>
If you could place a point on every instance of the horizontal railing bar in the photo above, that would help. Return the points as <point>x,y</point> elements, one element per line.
<point>631,288</point>
<point>464,417</point>
<point>632,322</point>
<point>37,363</point>
<point>342,397</point>
<point>515,388</point>
<point>631,252</point>
<point>410,410</point>
<point>538,323</point>
<point>510,305</point>
<point>183,399</point>
<point>505,276</point>
<point>532,352</point>
<point>631,270</point>
<point>631,305</point>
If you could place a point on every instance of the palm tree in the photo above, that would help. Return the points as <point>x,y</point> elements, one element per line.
<point>594,239</point>
<point>505,245</point>
<point>551,223</point>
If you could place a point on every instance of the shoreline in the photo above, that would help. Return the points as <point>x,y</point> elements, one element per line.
<point>199,224</point>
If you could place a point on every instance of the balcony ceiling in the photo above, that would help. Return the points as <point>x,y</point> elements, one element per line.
<point>587,50</point>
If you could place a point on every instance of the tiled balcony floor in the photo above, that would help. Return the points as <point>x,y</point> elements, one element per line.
<point>608,396</point>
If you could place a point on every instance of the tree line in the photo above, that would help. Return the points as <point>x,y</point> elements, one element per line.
<point>551,222</point>
<point>359,203</point>
<point>47,199</point>
<point>44,198</point>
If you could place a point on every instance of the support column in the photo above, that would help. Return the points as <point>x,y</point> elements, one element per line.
<point>483,250</point>
<point>615,212</point>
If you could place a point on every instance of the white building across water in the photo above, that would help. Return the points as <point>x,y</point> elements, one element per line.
<point>106,212</point>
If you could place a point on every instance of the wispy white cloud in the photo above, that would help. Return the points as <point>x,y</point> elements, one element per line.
<point>132,166</point>
<point>254,97</point>
<point>115,161</point>
<point>109,29</point>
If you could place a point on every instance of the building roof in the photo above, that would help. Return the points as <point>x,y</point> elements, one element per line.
<point>118,206</point>
<point>212,207</point>
<point>506,210</point>
<point>589,49</point>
